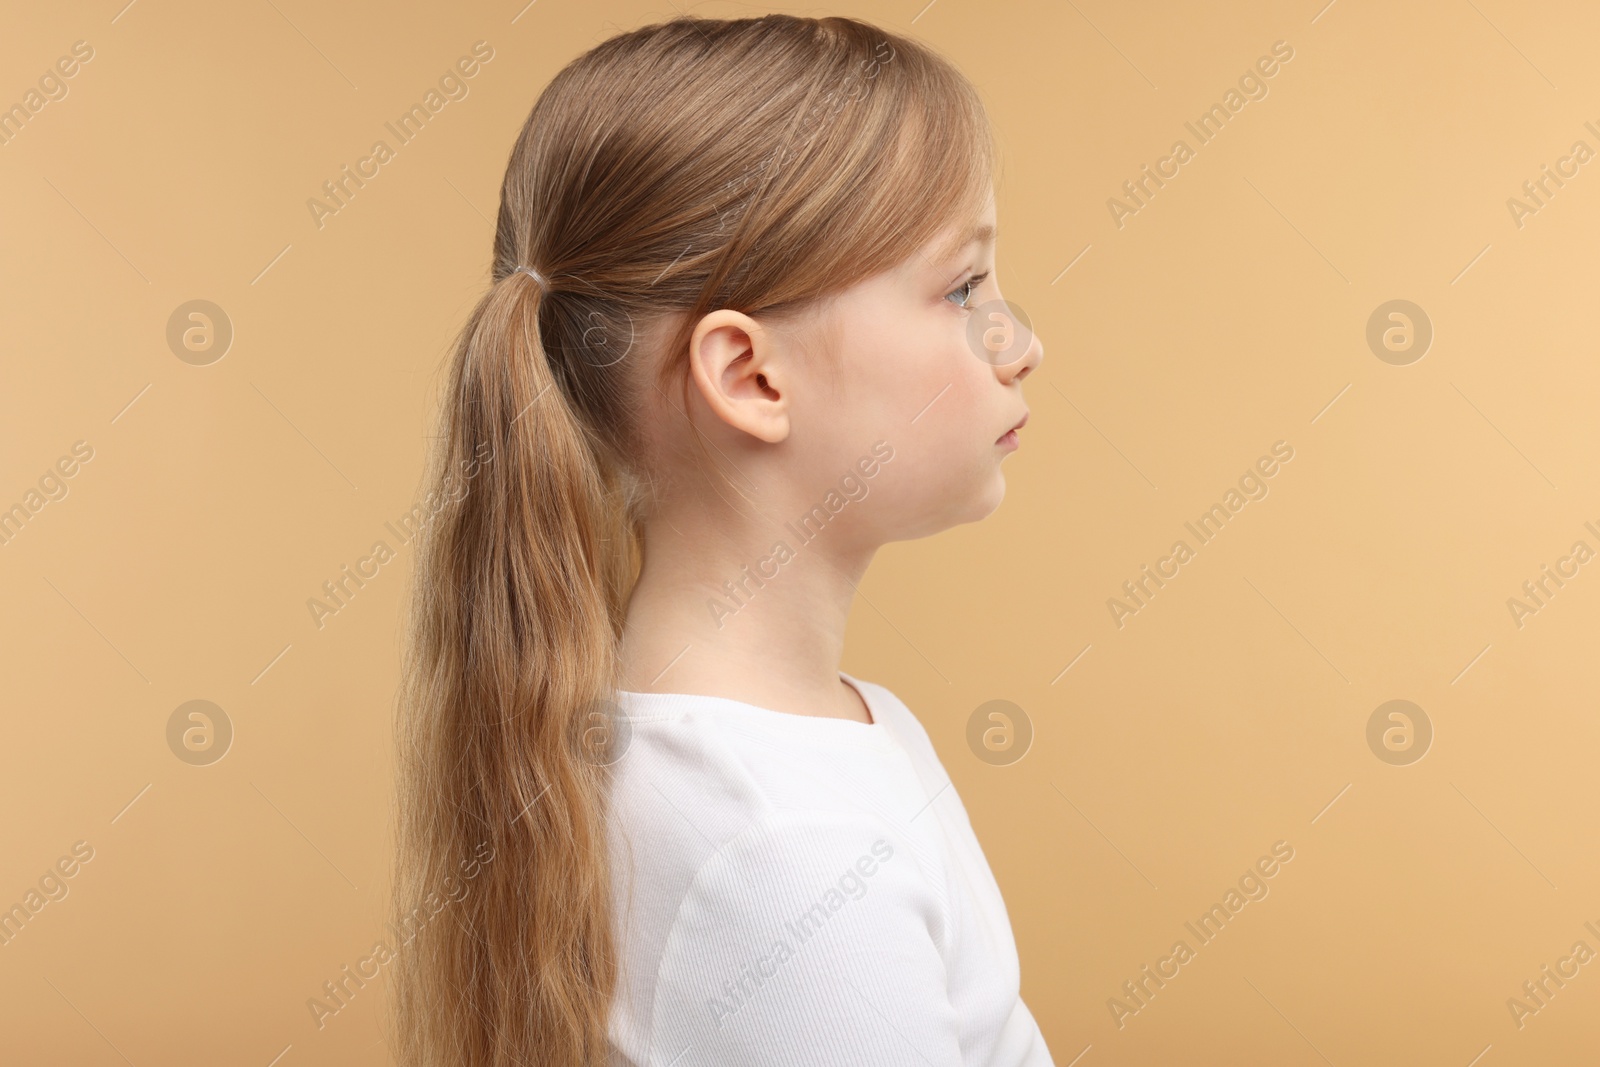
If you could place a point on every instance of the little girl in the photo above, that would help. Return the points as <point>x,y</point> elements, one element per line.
<point>744,329</point>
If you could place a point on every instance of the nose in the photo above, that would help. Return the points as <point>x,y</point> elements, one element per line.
<point>1020,368</point>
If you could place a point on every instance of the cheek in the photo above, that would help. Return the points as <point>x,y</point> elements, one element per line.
<point>947,441</point>
<point>954,384</point>
<point>914,381</point>
<point>941,364</point>
<point>889,377</point>
<point>934,410</point>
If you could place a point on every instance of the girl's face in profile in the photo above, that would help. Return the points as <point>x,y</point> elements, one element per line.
<point>917,369</point>
<point>896,396</point>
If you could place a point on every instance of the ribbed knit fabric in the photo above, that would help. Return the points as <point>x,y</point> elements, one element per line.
<point>805,891</point>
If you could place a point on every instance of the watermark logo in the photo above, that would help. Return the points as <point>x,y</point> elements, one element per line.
<point>999,732</point>
<point>604,343</point>
<point>199,732</point>
<point>199,332</point>
<point>1399,332</point>
<point>999,332</point>
<point>606,734</point>
<point>1399,732</point>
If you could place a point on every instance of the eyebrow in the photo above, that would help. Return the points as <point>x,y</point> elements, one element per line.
<point>979,233</point>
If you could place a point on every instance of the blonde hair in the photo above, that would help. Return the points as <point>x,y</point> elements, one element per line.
<point>758,164</point>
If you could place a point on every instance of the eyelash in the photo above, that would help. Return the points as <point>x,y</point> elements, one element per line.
<point>969,285</point>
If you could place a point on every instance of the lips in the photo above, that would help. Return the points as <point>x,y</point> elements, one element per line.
<point>1019,425</point>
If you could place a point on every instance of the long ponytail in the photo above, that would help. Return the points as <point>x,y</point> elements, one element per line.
<point>518,605</point>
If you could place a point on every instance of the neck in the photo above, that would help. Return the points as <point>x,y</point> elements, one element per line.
<point>726,610</point>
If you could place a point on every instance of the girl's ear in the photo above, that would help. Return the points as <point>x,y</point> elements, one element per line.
<point>742,370</point>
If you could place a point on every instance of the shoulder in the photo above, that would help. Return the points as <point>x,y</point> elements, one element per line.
<point>701,796</point>
<point>937,782</point>
<point>793,872</point>
<point>801,854</point>
<point>680,791</point>
<point>899,718</point>
<point>690,784</point>
<point>800,917</point>
<point>696,771</point>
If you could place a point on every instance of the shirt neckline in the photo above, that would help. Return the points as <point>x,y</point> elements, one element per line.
<point>645,707</point>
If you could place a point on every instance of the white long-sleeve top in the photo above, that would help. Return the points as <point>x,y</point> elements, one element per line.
<point>803,890</point>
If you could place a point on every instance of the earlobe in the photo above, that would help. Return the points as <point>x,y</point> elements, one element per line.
<point>739,369</point>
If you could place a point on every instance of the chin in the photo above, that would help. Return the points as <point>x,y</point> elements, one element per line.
<point>985,501</point>
<point>971,497</point>
<point>996,493</point>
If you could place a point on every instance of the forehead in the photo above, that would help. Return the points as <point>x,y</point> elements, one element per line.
<point>943,255</point>
<point>953,242</point>
<point>959,235</point>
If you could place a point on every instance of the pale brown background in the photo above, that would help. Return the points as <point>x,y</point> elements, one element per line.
<point>1228,314</point>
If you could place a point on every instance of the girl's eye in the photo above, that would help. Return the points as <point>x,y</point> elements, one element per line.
<point>965,289</point>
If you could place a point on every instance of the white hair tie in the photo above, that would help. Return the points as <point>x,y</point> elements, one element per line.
<point>535,275</point>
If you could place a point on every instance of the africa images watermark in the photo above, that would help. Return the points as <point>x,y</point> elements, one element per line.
<point>1252,886</point>
<point>853,87</point>
<point>1210,123</point>
<point>850,885</point>
<point>1252,486</point>
<point>342,188</point>
<point>340,590</point>
<point>1550,581</point>
<point>1538,192</point>
<point>52,487</point>
<point>52,886</point>
<point>337,993</point>
<point>737,592</point>
<point>1537,993</point>
<point>52,87</point>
